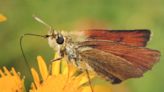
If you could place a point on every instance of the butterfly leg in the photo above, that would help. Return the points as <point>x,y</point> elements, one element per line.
<point>89,79</point>
<point>56,59</point>
<point>53,60</point>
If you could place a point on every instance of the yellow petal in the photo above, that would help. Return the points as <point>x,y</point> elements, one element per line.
<point>98,88</point>
<point>6,71</point>
<point>85,78</point>
<point>42,67</point>
<point>2,18</point>
<point>14,72</point>
<point>56,66</point>
<point>33,86</point>
<point>10,83</point>
<point>71,69</point>
<point>102,88</point>
<point>1,73</point>
<point>120,88</point>
<point>35,77</point>
<point>64,67</point>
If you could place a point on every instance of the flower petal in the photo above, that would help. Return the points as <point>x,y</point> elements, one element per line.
<point>2,18</point>
<point>56,68</point>
<point>64,67</point>
<point>42,67</point>
<point>98,88</point>
<point>85,78</point>
<point>35,77</point>
<point>1,73</point>
<point>6,71</point>
<point>9,82</point>
<point>102,88</point>
<point>14,72</point>
<point>33,87</point>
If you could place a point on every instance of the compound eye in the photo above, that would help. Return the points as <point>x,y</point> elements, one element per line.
<point>60,39</point>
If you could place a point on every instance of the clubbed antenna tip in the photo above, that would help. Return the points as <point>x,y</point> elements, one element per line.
<point>41,21</point>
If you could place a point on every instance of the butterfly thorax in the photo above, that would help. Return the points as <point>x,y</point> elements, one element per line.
<point>70,51</point>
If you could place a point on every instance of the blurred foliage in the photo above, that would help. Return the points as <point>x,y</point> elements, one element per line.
<point>64,15</point>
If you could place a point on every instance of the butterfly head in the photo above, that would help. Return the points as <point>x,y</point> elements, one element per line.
<point>55,38</point>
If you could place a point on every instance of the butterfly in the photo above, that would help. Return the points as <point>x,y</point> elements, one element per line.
<point>115,55</point>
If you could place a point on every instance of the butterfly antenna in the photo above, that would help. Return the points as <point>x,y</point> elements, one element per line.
<point>21,47</point>
<point>41,21</point>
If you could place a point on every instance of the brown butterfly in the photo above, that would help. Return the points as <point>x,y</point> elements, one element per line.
<point>116,55</point>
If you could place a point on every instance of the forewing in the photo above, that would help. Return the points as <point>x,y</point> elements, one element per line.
<point>138,37</point>
<point>110,66</point>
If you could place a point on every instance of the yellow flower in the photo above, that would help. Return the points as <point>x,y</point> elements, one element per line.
<point>63,77</point>
<point>2,18</point>
<point>10,81</point>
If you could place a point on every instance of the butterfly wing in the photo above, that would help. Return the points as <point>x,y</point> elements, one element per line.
<point>117,54</point>
<point>141,57</point>
<point>138,37</point>
<point>110,66</point>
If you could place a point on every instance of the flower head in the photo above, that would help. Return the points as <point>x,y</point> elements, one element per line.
<point>62,78</point>
<point>10,81</point>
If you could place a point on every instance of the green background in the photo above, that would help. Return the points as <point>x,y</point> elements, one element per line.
<point>65,15</point>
